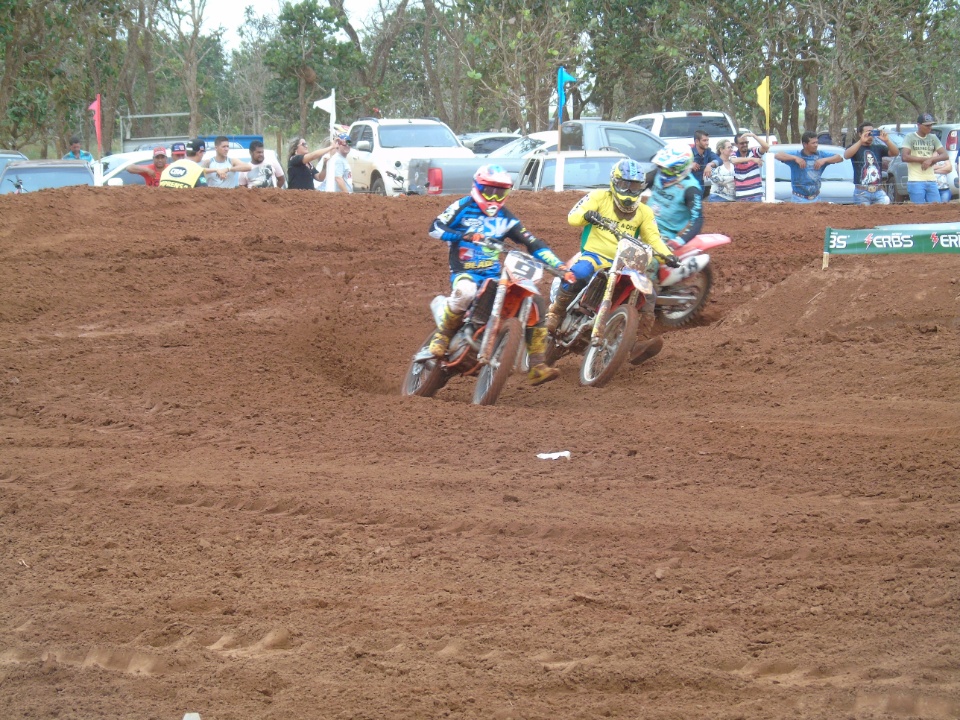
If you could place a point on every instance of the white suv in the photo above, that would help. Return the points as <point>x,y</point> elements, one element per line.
<point>677,128</point>
<point>381,151</point>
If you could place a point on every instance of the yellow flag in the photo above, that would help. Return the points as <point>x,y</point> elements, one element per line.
<point>763,99</point>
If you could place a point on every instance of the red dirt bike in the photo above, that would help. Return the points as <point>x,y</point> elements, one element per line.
<point>682,292</point>
<point>488,343</point>
<point>602,319</point>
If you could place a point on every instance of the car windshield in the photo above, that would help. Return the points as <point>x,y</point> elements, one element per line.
<point>400,136</point>
<point>42,178</point>
<point>517,148</point>
<point>582,173</point>
<point>4,159</point>
<point>685,127</point>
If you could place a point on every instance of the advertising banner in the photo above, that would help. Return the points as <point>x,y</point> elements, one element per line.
<point>891,240</point>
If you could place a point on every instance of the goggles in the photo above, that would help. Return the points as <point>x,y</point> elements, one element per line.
<point>493,193</point>
<point>623,185</point>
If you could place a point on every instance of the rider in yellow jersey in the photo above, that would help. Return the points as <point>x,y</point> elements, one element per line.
<point>620,203</point>
<point>186,172</point>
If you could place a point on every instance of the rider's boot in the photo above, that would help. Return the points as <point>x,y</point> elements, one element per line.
<point>445,330</point>
<point>558,310</point>
<point>540,372</point>
<point>643,348</point>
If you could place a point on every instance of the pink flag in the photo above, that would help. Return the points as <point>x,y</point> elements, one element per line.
<point>95,106</point>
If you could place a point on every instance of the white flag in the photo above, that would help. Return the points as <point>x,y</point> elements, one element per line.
<point>329,104</point>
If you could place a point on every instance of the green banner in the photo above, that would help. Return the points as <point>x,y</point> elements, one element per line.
<point>892,240</point>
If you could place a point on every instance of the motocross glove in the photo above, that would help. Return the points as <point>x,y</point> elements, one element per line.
<point>672,261</point>
<point>477,238</point>
<point>592,217</point>
<point>546,255</point>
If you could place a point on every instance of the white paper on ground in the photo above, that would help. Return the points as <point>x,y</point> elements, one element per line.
<point>554,455</point>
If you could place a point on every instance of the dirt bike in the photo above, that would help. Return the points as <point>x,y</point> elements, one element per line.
<point>682,292</point>
<point>488,343</point>
<point>602,319</point>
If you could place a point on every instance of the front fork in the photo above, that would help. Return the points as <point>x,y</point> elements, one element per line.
<point>493,324</point>
<point>596,336</point>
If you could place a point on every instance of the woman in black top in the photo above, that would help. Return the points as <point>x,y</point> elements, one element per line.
<point>300,170</point>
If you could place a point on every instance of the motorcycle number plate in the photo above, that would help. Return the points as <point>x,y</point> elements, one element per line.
<point>521,268</point>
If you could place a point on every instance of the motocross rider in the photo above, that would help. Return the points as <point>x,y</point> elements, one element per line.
<point>464,225</point>
<point>676,197</point>
<point>620,203</point>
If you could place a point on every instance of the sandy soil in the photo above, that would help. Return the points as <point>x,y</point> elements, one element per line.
<point>214,499</point>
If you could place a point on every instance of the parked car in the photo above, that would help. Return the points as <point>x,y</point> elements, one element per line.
<point>484,143</point>
<point>381,151</point>
<point>594,134</point>
<point>8,156</point>
<point>33,175</point>
<point>677,128</point>
<point>949,135</point>
<point>447,176</point>
<point>836,181</point>
<point>569,170</point>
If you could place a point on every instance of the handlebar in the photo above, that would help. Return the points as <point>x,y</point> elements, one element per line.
<point>495,244</point>
<point>611,227</point>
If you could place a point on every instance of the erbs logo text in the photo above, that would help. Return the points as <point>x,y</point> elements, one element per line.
<point>895,241</point>
<point>951,240</point>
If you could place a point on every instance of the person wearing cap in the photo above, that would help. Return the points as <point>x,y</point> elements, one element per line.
<point>151,173</point>
<point>866,155</point>
<point>178,150</point>
<point>76,153</point>
<point>921,151</point>
<point>339,176</point>
<point>300,170</point>
<point>186,172</point>
<point>223,171</point>
<point>806,166</point>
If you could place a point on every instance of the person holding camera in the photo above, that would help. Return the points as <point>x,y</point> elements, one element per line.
<point>867,155</point>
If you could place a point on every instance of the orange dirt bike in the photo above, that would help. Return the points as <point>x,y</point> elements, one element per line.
<point>488,343</point>
<point>602,319</point>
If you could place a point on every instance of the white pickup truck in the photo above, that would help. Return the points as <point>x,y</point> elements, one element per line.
<point>381,150</point>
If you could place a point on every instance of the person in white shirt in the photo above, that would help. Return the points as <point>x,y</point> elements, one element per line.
<point>339,177</point>
<point>263,173</point>
<point>222,171</point>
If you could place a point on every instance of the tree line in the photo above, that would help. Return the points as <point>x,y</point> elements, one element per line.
<point>475,64</point>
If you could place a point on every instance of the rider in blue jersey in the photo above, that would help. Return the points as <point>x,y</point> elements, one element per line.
<point>464,225</point>
<point>676,197</point>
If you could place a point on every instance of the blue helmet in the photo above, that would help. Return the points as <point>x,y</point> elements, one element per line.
<point>626,183</point>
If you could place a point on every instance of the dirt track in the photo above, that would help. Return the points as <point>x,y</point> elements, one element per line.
<point>213,498</point>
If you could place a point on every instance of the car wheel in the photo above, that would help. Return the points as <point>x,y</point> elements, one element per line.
<point>378,188</point>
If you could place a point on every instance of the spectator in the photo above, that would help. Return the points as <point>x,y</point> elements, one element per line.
<point>806,166</point>
<point>866,155</point>
<point>151,173</point>
<point>747,181</point>
<point>704,159</point>
<point>186,172</point>
<point>262,174</point>
<point>178,151</point>
<point>223,171</point>
<point>723,178</point>
<point>921,151</point>
<point>339,177</point>
<point>76,153</point>
<point>300,169</point>
<point>942,172</point>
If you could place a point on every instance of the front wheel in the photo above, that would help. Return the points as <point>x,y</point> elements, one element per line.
<point>694,292</point>
<point>493,376</point>
<point>424,376</point>
<point>601,362</point>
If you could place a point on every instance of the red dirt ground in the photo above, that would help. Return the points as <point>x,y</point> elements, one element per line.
<point>213,498</point>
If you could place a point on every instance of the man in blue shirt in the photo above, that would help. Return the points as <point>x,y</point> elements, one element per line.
<point>76,153</point>
<point>704,159</point>
<point>806,165</point>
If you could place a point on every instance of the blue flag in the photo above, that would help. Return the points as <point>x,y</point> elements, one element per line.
<point>562,77</point>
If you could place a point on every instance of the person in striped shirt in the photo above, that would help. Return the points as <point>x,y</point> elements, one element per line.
<point>747,183</point>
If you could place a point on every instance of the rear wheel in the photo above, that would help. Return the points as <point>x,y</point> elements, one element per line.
<point>424,377</point>
<point>601,362</point>
<point>694,290</point>
<point>493,376</point>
